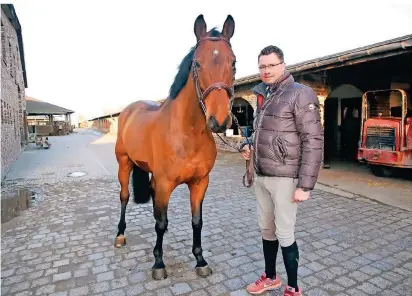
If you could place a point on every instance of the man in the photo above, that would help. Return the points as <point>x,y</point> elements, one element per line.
<point>287,153</point>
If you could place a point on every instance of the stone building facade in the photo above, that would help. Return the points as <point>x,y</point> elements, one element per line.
<point>13,84</point>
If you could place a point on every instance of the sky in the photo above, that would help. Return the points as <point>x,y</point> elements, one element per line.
<point>96,56</point>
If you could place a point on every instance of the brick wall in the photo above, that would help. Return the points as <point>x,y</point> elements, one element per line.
<point>13,104</point>
<point>316,83</point>
<point>380,106</point>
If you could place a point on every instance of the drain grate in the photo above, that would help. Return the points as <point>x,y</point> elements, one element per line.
<point>77,174</point>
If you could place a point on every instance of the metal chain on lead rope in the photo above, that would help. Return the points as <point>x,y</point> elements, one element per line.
<point>201,96</point>
<point>246,175</point>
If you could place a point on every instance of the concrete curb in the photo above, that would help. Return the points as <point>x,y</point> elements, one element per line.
<point>357,197</point>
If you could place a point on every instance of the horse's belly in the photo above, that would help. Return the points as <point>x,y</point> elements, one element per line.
<point>140,154</point>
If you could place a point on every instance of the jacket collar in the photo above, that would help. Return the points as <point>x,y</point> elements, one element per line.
<point>283,81</point>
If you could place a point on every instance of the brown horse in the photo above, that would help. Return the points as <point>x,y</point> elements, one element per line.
<point>173,141</point>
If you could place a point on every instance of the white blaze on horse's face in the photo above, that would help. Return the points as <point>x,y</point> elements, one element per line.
<point>215,71</point>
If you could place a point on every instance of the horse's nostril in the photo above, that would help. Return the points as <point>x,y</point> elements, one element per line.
<point>213,122</point>
<point>214,125</point>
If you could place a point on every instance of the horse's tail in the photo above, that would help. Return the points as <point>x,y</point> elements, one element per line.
<point>142,190</point>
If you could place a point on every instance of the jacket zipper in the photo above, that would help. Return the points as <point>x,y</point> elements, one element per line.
<point>261,115</point>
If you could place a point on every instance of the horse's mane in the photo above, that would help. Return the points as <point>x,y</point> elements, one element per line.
<point>185,67</point>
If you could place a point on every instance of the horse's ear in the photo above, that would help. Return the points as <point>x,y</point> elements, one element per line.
<point>200,27</point>
<point>228,27</point>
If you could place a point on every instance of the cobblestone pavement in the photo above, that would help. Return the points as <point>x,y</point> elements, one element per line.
<point>63,245</point>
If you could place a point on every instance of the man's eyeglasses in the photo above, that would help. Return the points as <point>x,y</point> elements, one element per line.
<point>269,67</point>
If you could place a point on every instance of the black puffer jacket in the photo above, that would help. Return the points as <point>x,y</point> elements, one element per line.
<point>288,137</point>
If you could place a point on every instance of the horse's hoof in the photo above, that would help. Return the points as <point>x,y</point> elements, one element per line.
<point>204,271</point>
<point>159,274</point>
<point>120,241</point>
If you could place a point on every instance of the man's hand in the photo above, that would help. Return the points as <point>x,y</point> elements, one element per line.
<point>300,195</point>
<point>246,152</point>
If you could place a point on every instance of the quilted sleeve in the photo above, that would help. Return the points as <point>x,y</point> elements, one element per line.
<point>310,131</point>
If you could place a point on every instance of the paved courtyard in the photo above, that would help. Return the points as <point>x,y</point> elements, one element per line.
<point>63,245</point>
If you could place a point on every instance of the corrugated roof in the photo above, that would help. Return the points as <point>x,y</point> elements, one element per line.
<point>378,50</point>
<point>38,107</point>
<point>112,114</point>
<point>117,112</point>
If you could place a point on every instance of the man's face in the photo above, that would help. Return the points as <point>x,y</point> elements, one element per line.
<point>270,68</point>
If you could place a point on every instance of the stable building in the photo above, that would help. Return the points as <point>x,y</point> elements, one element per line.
<point>45,119</point>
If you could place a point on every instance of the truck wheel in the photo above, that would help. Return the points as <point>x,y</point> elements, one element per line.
<point>381,171</point>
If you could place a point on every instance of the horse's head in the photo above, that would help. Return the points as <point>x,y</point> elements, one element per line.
<point>214,73</point>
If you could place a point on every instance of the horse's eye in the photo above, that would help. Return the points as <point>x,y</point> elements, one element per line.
<point>197,64</point>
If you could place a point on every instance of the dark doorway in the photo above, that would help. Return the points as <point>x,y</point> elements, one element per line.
<point>330,130</point>
<point>341,141</point>
<point>244,114</point>
<point>351,109</point>
<point>350,104</point>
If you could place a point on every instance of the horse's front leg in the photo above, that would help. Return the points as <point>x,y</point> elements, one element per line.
<point>197,194</point>
<point>161,198</point>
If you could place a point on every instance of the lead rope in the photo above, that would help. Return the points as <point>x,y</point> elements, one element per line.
<point>247,175</point>
<point>202,105</point>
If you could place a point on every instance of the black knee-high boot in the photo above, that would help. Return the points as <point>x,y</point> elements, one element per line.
<point>270,251</point>
<point>291,259</point>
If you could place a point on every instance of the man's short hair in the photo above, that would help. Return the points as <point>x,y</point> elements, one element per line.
<point>272,49</point>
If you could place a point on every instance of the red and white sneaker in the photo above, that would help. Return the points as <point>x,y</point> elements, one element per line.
<point>289,291</point>
<point>264,284</point>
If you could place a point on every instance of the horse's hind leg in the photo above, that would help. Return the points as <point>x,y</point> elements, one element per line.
<point>125,168</point>
<point>197,194</point>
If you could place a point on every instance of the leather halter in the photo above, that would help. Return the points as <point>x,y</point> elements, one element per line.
<point>248,176</point>
<point>214,86</point>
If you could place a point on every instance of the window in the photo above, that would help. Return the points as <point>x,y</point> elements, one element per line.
<point>15,124</point>
<point>18,58</point>
<point>2,112</point>
<point>12,58</point>
<point>3,45</point>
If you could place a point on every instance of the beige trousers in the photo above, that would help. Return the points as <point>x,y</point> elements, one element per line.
<point>276,211</point>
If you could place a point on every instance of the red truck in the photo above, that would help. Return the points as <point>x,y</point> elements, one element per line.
<point>386,131</point>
